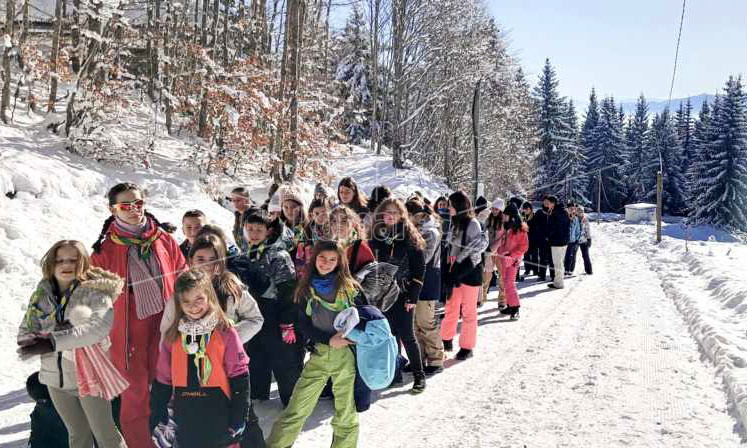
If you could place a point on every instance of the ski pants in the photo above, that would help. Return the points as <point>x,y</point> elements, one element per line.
<point>402,323</point>
<point>570,257</point>
<point>510,267</point>
<point>325,363</point>
<point>428,334</point>
<point>464,299</point>
<point>270,355</point>
<point>558,255</point>
<point>86,417</point>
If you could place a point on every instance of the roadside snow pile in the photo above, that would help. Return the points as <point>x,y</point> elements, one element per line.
<point>708,286</point>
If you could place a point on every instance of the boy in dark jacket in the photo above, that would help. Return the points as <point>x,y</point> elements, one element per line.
<point>47,428</point>
<point>558,233</point>
<point>267,270</point>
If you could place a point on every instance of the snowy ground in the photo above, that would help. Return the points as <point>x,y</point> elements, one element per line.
<point>649,351</point>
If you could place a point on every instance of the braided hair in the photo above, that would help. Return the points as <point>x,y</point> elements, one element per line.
<point>112,198</point>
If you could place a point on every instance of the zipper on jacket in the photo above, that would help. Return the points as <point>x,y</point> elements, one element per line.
<point>127,328</point>
<point>59,368</point>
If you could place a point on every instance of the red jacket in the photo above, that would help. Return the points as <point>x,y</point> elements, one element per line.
<point>514,244</point>
<point>113,258</point>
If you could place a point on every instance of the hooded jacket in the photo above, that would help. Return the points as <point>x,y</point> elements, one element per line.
<point>558,226</point>
<point>96,294</point>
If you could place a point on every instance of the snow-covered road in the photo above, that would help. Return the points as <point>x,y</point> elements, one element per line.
<point>608,361</point>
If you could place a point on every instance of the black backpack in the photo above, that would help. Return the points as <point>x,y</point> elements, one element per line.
<point>379,284</point>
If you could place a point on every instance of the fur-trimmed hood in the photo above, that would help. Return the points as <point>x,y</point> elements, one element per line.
<point>103,281</point>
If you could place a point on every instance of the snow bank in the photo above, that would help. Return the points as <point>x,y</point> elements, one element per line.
<point>705,280</point>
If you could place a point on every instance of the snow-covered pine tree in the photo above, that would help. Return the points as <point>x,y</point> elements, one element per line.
<point>723,185</point>
<point>700,140</point>
<point>553,132</point>
<point>684,126</point>
<point>353,57</point>
<point>607,153</point>
<point>636,138</point>
<point>663,141</point>
<point>571,161</point>
<point>590,121</point>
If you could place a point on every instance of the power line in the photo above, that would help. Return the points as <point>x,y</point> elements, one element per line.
<point>677,53</point>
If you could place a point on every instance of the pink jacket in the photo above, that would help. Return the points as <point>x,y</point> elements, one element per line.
<point>514,244</point>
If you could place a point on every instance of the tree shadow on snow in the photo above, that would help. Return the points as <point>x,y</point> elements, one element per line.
<point>12,399</point>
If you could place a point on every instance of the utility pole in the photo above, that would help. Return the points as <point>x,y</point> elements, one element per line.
<point>659,190</point>
<point>476,134</point>
<point>599,198</point>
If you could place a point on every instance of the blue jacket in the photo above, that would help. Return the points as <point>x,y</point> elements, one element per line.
<point>375,348</point>
<point>575,232</point>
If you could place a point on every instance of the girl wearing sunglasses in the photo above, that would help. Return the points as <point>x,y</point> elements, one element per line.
<point>136,246</point>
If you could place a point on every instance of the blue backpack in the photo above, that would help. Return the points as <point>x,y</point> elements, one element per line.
<point>375,348</point>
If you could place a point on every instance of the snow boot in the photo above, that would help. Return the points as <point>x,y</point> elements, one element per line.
<point>514,315</point>
<point>505,310</point>
<point>419,384</point>
<point>448,345</point>
<point>552,286</point>
<point>432,370</point>
<point>463,354</point>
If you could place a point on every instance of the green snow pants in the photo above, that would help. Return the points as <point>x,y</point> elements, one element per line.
<point>327,362</point>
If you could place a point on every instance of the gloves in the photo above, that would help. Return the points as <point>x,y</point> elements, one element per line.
<point>288,333</point>
<point>239,402</point>
<point>160,394</point>
<point>233,436</point>
<point>39,345</point>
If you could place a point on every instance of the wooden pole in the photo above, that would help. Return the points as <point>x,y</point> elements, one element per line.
<point>599,198</point>
<point>659,190</point>
<point>476,135</point>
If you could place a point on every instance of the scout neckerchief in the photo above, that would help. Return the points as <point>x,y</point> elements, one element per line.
<point>123,237</point>
<point>255,251</point>
<point>195,335</point>
<point>343,299</point>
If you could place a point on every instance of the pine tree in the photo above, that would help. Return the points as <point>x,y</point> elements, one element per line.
<point>723,185</point>
<point>664,146</point>
<point>636,138</point>
<point>353,71</point>
<point>553,131</point>
<point>571,161</point>
<point>700,141</point>
<point>684,124</point>
<point>607,155</point>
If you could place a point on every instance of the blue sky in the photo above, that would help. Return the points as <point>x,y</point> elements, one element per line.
<point>627,47</point>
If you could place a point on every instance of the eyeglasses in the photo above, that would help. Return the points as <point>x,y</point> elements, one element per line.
<point>127,206</point>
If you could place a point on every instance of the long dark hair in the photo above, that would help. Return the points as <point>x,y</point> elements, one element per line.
<point>112,197</point>
<point>464,211</point>
<point>378,194</point>
<point>412,234</point>
<point>343,278</point>
<point>514,222</point>
<point>359,202</point>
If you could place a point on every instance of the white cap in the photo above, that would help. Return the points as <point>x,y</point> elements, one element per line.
<point>274,205</point>
<point>499,203</point>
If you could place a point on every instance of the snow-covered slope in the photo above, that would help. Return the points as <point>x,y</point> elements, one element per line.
<point>608,361</point>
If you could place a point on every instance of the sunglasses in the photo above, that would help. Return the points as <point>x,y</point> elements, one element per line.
<point>127,206</point>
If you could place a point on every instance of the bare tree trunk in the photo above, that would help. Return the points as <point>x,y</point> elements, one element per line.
<point>225,33</point>
<point>375,76</point>
<point>202,123</point>
<point>216,25</point>
<point>258,36</point>
<point>280,31</point>
<point>296,38</point>
<point>398,22</point>
<point>25,31</point>
<point>167,66</point>
<point>272,25</point>
<point>326,37</point>
<point>75,36</point>
<point>197,18</point>
<point>55,55</point>
<point>205,9</point>
<point>9,15</point>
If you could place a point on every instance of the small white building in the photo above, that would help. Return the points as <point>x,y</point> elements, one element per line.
<point>640,213</point>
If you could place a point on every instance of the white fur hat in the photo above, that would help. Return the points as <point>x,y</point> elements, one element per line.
<point>499,203</point>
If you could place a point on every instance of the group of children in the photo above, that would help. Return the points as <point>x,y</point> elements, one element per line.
<point>145,329</point>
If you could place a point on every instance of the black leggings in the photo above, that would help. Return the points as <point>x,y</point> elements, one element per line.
<point>402,323</point>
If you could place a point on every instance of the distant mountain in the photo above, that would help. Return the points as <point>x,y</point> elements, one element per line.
<point>657,106</point>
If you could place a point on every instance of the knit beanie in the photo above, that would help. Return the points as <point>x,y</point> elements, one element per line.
<point>499,204</point>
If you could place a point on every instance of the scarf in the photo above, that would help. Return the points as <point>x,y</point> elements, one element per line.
<point>143,269</point>
<point>342,300</point>
<point>254,252</point>
<point>195,335</point>
<point>96,374</point>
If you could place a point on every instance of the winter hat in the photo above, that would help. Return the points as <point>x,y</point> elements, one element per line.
<point>289,194</point>
<point>480,204</point>
<point>346,320</point>
<point>499,204</point>
<point>274,205</point>
<point>321,189</point>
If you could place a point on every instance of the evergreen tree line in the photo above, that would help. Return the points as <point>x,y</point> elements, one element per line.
<point>613,159</point>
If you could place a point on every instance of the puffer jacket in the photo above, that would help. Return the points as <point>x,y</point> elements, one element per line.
<point>514,243</point>
<point>96,294</point>
<point>431,232</point>
<point>585,231</point>
<point>269,274</point>
<point>476,241</point>
<point>393,246</point>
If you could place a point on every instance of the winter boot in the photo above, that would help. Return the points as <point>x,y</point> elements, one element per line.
<point>448,345</point>
<point>432,370</point>
<point>463,354</point>
<point>419,384</point>
<point>514,315</point>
